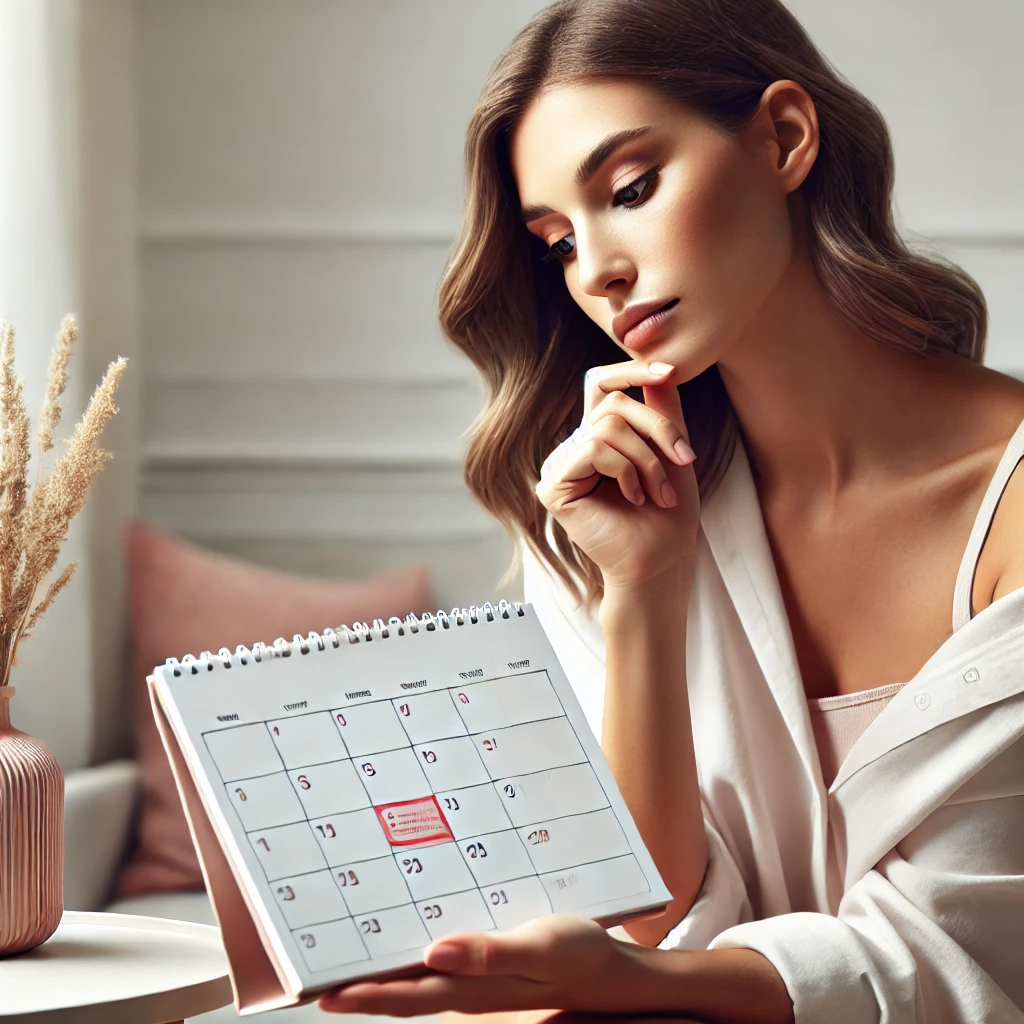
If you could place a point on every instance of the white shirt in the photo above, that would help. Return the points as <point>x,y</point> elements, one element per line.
<point>926,812</point>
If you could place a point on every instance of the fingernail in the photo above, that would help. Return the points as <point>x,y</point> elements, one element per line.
<point>639,498</point>
<point>446,957</point>
<point>668,494</point>
<point>659,368</point>
<point>684,451</point>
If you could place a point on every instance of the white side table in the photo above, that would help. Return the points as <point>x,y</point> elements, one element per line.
<point>116,969</point>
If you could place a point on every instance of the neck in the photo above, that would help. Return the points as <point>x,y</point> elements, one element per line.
<point>820,403</point>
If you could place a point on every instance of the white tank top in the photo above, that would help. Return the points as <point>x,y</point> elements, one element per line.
<point>838,721</point>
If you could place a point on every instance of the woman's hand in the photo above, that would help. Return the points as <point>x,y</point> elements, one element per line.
<point>562,961</point>
<point>596,482</point>
<point>569,963</point>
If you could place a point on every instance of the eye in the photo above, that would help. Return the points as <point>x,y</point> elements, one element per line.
<point>563,247</point>
<point>635,194</point>
<point>638,189</point>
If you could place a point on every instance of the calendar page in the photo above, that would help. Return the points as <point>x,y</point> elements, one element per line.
<point>377,795</point>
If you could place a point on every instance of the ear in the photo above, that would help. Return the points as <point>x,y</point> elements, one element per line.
<point>786,126</point>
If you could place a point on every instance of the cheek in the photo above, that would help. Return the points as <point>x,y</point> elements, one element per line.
<point>731,234</point>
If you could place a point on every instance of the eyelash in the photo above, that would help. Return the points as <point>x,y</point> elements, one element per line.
<point>648,179</point>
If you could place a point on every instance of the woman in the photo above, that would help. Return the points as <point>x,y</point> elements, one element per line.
<point>778,497</point>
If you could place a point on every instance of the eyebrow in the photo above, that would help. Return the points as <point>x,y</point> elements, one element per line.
<point>591,164</point>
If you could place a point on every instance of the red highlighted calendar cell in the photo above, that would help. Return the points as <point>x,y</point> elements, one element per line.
<point>414,822</point>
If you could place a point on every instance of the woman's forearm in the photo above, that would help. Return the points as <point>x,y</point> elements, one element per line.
<point>647,737</point>
<point>721,986</point>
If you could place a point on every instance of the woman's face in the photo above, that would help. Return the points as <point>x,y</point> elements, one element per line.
<point>677,212</point>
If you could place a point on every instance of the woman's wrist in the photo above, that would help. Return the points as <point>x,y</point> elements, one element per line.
<point>718,985</point>
<point>670,589</point>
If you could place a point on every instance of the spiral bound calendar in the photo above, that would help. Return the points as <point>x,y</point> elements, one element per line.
<point>356,793</point>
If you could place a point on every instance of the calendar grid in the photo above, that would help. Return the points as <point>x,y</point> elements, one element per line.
<point>455,866</point>
<point>389,700</point>
<point>577,738</point>
<point>576,735</point>
<point>369,797</point>
<point>329,920</point>
<point>413,744</point>
<point>539,771</point>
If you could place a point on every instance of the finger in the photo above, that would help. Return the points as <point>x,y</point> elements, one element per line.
<point>649,423</point>
<point>617,432</point>
<point>575,472</point>
<point>664,398</point>
<point>477,954</point>
<point>437,993</point>
<point>602,380</point>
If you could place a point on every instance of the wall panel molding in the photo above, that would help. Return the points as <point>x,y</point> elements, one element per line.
<point>331,500</point>
<point>463,571</point>
<point>332,420</point>
<point>194,228</point>
<point>334,520</point>
<point>288,309</point>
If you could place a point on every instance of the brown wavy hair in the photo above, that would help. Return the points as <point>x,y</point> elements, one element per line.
<point>514,317</point>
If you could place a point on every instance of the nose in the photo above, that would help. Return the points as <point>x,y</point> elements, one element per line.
<point>603,266</point>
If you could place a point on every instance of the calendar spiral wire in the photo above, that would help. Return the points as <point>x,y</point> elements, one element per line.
<point>358,632</point>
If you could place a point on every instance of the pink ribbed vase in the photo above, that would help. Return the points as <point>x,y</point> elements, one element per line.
<point>31,837</point>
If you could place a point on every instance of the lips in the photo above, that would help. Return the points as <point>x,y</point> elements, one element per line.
<point>634,315</point>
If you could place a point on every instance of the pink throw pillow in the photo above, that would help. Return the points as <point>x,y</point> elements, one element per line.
<point>184,600</point>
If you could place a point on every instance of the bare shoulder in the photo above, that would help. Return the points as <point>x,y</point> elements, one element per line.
<point>1005,542</point>
<point>1007,535</point>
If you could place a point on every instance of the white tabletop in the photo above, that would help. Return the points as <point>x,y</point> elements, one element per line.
<point>116,969</point>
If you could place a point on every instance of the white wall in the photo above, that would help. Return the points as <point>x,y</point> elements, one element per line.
<point>949,79</point>
<point>67,244</point>
<point>300,179</point>
<point>300,189</point>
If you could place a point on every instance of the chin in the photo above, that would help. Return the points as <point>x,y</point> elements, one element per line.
<point>691,357</point>
<point>687,363</point>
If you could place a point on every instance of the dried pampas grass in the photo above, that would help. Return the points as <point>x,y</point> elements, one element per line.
<point>34,521</point>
